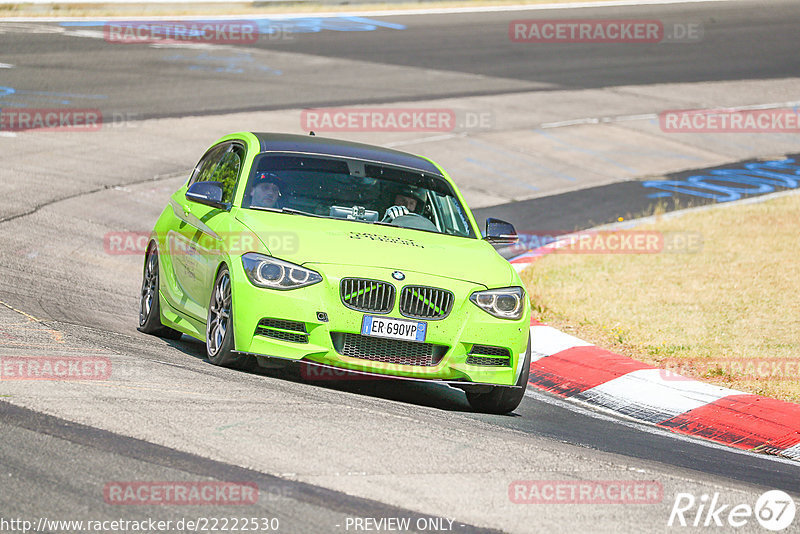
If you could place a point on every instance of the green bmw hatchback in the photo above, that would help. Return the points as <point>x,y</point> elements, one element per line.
<point>342,255</point>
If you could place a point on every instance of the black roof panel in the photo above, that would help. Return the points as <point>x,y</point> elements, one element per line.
<point>277,142</point>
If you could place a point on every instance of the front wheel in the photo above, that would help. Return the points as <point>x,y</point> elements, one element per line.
<point>219,327</point>
<point>503,400</point>
<point>149,307</point>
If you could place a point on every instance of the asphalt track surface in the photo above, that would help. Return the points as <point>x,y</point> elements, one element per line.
<point>56,465</point>
<point>599,205</point>
<point>740,41</point>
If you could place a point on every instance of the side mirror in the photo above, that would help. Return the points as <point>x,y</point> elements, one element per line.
<point>208,193</point>
<point>500,232</point>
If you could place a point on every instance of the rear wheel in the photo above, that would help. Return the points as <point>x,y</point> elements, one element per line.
<point>149,307</point>
<point>219,327</point>
<point>502,400</point>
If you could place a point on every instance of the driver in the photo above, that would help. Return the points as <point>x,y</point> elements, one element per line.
<point>267,191</point>
<point>408,200</point>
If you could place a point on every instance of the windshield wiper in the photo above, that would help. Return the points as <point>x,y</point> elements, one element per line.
<point>261,208</point>
<point>384,223</point>
<point>298,212</point>
<point>286,210</point>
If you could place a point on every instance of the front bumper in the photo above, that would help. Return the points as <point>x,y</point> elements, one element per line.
<point>454,336</point>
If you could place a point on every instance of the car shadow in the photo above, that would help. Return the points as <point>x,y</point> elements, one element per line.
<point>431,395</point>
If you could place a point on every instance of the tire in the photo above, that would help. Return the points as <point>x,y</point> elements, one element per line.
<point>503,400</point>
<point>149,306</point>
<point>219,327</point>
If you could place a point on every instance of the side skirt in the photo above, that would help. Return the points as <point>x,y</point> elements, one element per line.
<point>174,319</point>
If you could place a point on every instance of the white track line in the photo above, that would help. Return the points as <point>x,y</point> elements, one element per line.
<point>792,452</point>
<point>546,341</point>
<point>651,395</point>
<point>604,414</point>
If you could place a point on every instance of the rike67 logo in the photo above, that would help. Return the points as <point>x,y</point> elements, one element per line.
<point>774,511</point>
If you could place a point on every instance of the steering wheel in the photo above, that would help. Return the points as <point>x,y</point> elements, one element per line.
<point>415,221</point>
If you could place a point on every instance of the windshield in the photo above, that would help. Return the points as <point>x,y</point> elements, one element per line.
<point>357,191</point>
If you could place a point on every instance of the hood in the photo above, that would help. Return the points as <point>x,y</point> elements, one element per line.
<point>301,239</point>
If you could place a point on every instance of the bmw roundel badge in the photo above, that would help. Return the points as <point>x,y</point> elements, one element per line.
<point>397,275</point>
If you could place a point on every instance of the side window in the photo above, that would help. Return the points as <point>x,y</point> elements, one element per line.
<point>227,172</point>
<point>206,165</point>
<point>221,164</point>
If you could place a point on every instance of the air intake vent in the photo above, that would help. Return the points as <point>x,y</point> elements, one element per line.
<point>388,350</point>
<point>284,330</point>
<point>419,302</point>
<point>367,295</point>
<point>489,356</point>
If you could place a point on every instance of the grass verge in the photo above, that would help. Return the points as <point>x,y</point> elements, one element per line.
<point>727,311</point>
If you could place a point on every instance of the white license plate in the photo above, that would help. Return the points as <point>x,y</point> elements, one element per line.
<point>393,328</point>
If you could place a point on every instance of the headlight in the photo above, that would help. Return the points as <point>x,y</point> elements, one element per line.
<point>269,272</point>
<point>505,303</point>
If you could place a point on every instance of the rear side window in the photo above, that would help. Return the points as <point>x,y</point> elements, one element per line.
<point>223,164</point>
<point>206,165</point>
